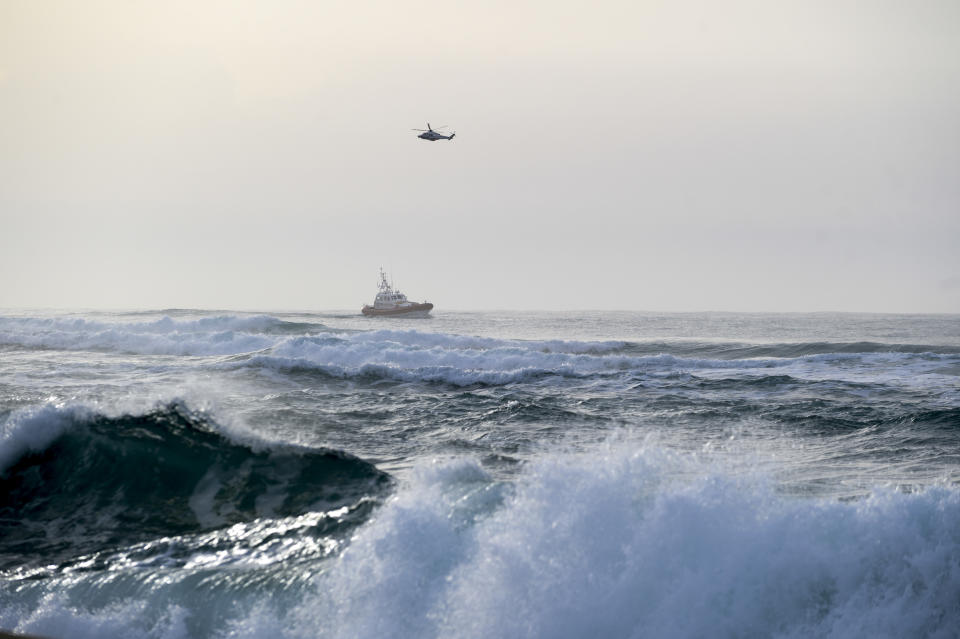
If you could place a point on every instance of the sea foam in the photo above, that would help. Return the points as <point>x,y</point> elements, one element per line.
<point>613,544</point>
<point>32,429</point>
<point>420,356</point>
<point>621,541</point>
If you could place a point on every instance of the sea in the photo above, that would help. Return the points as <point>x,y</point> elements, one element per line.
<point>186,473</point>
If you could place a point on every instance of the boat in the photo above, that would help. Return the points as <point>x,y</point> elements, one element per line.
<point>391,303</point>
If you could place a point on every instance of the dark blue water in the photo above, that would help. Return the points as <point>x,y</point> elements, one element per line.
<point>218,474</point>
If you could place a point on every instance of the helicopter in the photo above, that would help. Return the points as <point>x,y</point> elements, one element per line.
<point>431,135</point>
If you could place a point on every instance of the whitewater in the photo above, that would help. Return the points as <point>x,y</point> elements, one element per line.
<point>191,474</point>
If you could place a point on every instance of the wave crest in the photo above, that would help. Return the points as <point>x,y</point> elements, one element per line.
<point>91,481</point>
<point>611,545</point>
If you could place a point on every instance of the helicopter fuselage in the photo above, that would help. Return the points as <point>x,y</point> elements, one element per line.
<point>433,136</point>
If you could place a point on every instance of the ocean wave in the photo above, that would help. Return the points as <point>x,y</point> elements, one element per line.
<point>448,341</point>
<point>165,324</point>
<point>32,330</point>
<point>429,358</point>
<point>461,360</point>
<point>789,350</point>
<point>618,541</point>
<point>55,616</point>
<point>76,480</point>
<point>610,545</point>
<point>218,335</point>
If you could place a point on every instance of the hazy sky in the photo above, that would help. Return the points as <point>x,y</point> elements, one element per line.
<point>786,156</point>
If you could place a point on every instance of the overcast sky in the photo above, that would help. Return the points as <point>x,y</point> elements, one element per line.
<point>756,156</point>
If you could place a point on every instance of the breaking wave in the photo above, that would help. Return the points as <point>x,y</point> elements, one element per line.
<point>411,355</point>
<point>76,481</point>
<point>418,357</point>
<point>613,545</point>
<point>220,335</point>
